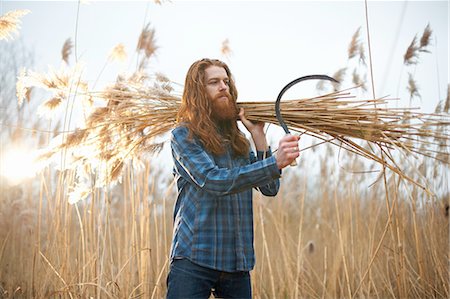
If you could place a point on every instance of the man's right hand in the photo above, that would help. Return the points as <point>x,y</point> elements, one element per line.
<point>287,151</point>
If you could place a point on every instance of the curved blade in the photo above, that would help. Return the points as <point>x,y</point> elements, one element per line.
<point>289,85</point>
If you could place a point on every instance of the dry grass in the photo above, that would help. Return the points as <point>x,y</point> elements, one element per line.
<point>137,113</point>
<point>141,108</point>
<point>66,50</point>
<point>10,23</point>
<point>411,55</point>
<point>447,100</point>
<point>356,47</point>
<point>147,42</point>
<point>226,49</point>
<point>425,39</point>
<point>315,244</point>
<point>413,89</point>
<point>118,53</point>
<point>328,237</point>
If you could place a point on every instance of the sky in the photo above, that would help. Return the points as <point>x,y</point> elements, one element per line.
<point>271,42</point>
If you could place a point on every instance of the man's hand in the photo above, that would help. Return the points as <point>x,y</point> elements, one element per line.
<point>287,151</point>
<point>256,129</point>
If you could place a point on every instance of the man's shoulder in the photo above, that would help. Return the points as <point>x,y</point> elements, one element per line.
<point>180,132</point>
<point>180,129</point>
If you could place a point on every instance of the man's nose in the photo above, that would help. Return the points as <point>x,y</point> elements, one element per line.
<point>223,85</point>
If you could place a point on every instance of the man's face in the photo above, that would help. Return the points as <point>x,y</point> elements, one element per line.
<point>218,90</point>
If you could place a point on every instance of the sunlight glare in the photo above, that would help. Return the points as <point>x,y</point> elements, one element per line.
<point>18,164</point>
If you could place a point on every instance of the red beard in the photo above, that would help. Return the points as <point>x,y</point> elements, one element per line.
<point>224,110</point>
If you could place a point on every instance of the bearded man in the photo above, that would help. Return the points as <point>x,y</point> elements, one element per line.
<point>215,171</point>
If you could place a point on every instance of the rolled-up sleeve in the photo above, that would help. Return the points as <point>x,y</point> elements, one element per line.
<point>197,166</point>
<point>271,189</point>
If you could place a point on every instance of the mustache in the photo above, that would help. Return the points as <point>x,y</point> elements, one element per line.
<point>223,94</point>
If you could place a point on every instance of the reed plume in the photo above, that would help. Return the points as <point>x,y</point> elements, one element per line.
<point>61,83</point>
<point>10,23</point>
<point>353,48</point>
<point>22,90</point>
<point>118,53</point>
<point>356,47</point>
<point>412,87</point>
<point>447,100</point>
<point>50,105</point>
<point>357,81</point>
<point>425,39</point>
<point>147,42</point>
<point>66,50</point>
<point>410,57</point>
<point>338,76</point>
<point>226,50</point>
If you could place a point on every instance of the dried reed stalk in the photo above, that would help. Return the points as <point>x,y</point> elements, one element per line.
<point>129,126</point>
<point>338,119</point>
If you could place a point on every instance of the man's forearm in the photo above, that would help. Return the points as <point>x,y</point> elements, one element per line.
<point>260,141</point>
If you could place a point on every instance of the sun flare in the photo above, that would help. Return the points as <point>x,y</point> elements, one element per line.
<point>18,164</point>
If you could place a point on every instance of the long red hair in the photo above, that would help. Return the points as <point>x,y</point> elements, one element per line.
<point>196,110</point>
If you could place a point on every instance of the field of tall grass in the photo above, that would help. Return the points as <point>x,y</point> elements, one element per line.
<point>326,240</point>
<point>339,227</point>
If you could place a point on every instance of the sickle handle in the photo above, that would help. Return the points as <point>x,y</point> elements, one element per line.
<point>289,85</point>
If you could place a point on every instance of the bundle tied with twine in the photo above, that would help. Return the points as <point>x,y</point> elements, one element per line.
<point>136,115</point>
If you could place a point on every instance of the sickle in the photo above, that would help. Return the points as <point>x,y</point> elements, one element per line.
<point>289,85</point>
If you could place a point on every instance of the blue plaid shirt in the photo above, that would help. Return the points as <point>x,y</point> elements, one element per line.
<point>213,216</point>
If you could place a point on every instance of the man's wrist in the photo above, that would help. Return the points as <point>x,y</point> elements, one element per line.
<point>258,134</point>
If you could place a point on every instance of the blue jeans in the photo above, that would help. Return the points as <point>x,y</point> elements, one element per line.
<point>189,280</point>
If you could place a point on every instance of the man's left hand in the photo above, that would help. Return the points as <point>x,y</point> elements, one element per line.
<point>255,128</point>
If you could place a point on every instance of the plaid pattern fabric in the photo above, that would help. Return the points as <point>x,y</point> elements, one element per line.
<point>213,216</point>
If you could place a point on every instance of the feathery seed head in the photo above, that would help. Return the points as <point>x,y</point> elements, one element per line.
<point>412,87</point>
<point>66,50</point>
<point>118,53</point>
<point>447,100</point>
<point>147,42</point>
<point>339,76</point>
<point>79,193</point>
<point>21,87</point>
<point>438,108</point>
<point>354,44</point>
<point>356,79</point>
<point>362,55</point>
<point>226,50</point>
<point>425,39</point>
<point>160,77</point>
<point>411,54</point>
<point>10,23</point>
<point>75,138</point>
<point>53,103</point>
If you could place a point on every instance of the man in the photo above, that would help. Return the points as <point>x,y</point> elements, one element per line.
<point>212,247</point>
